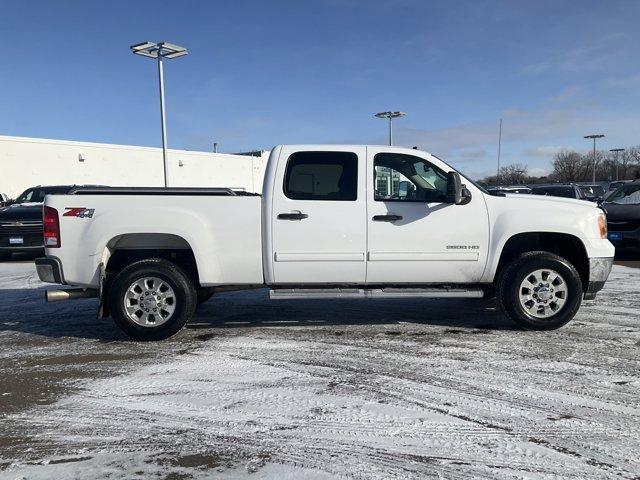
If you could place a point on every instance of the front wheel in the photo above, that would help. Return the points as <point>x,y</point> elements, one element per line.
<point>152,299</point>
<point>540,291</point>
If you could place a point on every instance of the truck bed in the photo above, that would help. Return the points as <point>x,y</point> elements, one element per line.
<point>222,227</point>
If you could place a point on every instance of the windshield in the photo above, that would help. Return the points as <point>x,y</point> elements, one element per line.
<point>475,184</point>
<point>592,190</point>
<point>626,195</point>
<point>37,194</point>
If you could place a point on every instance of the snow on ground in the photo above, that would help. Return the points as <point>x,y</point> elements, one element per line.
<point>318,390</point>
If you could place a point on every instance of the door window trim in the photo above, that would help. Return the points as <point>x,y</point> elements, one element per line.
<point>397,200</point>
<point>355,159</point>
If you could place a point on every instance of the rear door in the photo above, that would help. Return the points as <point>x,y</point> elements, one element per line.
<point>414,235</point>
<point>318,216</point>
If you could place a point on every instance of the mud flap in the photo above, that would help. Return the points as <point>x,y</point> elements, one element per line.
<point>103,308</point>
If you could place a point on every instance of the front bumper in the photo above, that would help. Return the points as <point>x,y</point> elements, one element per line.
<point>21,238</point>
<point>624,238</point>
<point>50,270</point>
<point>599,270</point>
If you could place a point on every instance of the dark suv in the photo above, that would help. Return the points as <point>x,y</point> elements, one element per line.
<point>21,222</point>
<point>623,215</point>
<point>566,190</point>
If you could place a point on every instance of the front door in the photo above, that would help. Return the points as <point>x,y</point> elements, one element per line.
<point>414,235</point>
<point>318,216</point>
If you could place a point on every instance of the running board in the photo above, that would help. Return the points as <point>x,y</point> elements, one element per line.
<point>320,293</point>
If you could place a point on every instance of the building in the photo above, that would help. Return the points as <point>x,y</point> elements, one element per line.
<point>25,162</point>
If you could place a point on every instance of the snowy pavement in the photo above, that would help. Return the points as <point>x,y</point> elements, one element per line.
<point>319,390</point>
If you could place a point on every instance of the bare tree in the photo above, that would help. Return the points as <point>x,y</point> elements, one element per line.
<point>512,174</point>
<point>568,166</point>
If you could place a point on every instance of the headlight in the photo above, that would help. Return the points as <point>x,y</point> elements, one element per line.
<point>602,225</point>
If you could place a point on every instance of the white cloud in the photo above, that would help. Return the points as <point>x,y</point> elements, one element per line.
<point>472,154</point>
<point>547,151</point>
<point>625,81</point>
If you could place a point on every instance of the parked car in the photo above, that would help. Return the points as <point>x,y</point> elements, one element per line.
<point>617,184</point>
<point>21,222</point>
<point>593,193</point>
<point>4,200</point>
<point>324,229</point>
<point>500,189</point>
<point>565,190</point>
<point>623,215</point>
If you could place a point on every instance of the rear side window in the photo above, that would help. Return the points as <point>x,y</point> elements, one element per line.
<point>322,176</point>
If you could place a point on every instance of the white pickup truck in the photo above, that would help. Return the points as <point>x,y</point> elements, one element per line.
<point>332,222</point>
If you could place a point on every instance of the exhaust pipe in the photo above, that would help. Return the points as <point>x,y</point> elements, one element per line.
<point>73,294</point>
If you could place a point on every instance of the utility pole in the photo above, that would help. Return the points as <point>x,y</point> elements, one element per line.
<point>617,151</point>
<point>594,137</point>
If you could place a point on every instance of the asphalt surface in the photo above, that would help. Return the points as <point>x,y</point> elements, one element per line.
<point>317,389</point>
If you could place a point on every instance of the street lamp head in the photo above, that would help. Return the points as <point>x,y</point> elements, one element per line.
<point>617,150</point>
<point>390,114</point>
<point>160,49</point>
<point>594,136</point>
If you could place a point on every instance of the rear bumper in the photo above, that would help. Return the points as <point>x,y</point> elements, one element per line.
<point>50,270</point>
<point>599,270</point>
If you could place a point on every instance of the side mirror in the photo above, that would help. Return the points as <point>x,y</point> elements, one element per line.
<point>457,193</point>
<point>403,189</point>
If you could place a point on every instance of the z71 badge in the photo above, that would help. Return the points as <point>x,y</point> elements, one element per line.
<point>79,212</point>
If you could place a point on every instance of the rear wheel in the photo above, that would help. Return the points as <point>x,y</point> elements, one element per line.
<point>5,256</point>
<point>540,291</point>
<point>152,299</point>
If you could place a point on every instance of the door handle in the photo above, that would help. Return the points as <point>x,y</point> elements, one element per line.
<point>292,216</point>
<point>387,218</point>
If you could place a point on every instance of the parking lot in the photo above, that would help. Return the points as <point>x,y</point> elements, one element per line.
<point>317,389</point>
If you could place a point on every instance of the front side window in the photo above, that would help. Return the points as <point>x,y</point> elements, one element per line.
<point>405,178</point>
<point>322,176</point>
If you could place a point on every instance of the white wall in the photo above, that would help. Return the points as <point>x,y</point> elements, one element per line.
<point>26,162</point>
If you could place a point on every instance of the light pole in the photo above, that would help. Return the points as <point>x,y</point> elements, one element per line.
<point>594,152</point>
<point>160,51</point>
<point>390,116</point>
<point>617,151</point>
<point>499,147</point>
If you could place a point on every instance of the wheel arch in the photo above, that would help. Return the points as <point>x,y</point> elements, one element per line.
<point>566,245</point>
<point>122,250</point>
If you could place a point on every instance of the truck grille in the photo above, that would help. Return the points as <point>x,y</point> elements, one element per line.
<point>26,227</point>
<point>621,226</point>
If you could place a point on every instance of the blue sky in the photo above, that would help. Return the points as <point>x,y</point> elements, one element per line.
<point>261,73</point>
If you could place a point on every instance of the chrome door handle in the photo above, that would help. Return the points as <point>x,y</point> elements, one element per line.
<point>387,218</point>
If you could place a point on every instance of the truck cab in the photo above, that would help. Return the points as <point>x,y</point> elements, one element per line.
<point>333,221</point>
<point>369,215</point>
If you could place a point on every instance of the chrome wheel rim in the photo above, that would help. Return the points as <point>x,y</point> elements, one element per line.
<point>543,293</point>
<point>149,302</point>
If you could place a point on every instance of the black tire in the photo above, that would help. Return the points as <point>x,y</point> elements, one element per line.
<point>174,276</point>
<point>515,272</point>
<point>5,256</point>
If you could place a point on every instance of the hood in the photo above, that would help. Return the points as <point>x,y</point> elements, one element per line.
<point>21,211</point>
<point>617,211</point>
<point>551,199</point>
